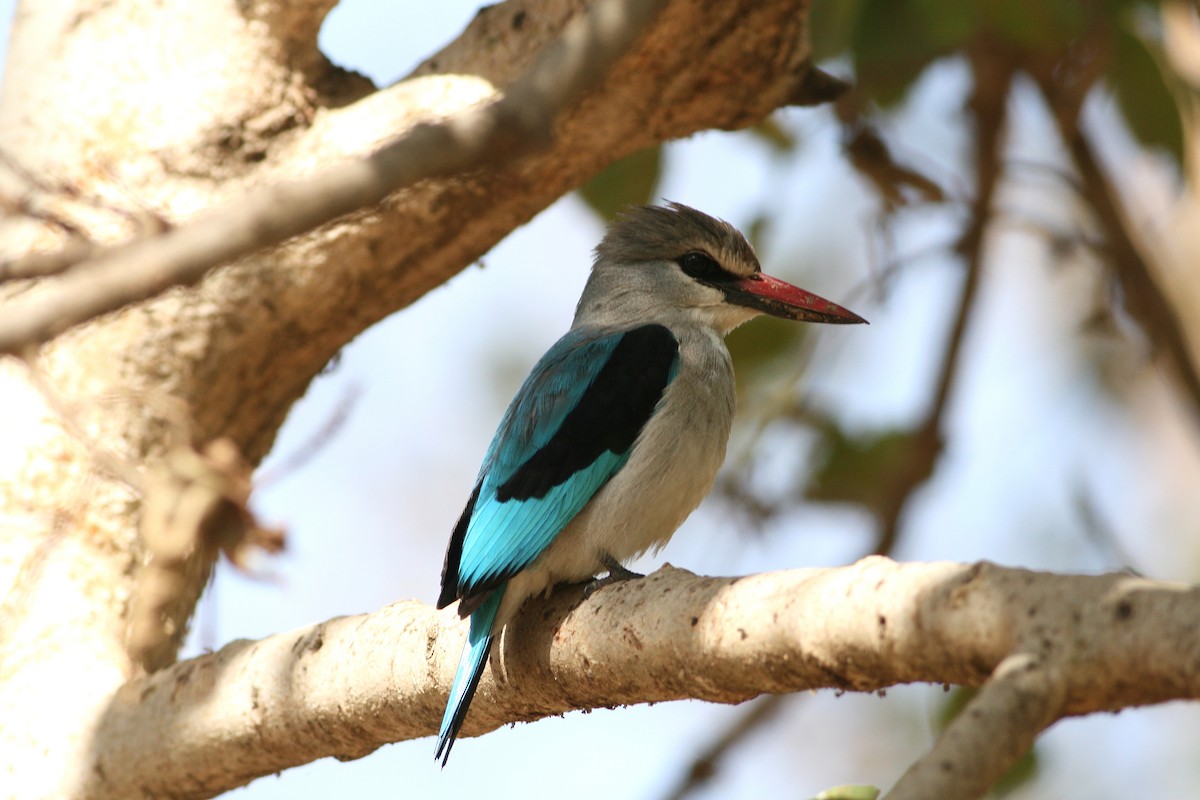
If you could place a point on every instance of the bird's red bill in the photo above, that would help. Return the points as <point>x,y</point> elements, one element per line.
<point>782,299</point>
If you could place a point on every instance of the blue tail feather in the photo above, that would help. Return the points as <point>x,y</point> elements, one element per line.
<point>470,669</point>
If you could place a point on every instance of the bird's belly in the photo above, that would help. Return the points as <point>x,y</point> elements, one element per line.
<point>671,469</point>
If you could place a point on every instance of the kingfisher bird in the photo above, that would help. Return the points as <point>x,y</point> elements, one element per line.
<point>619,430</point>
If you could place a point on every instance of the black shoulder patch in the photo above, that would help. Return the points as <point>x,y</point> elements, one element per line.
<point>610,415</point>
<point>454,552</point>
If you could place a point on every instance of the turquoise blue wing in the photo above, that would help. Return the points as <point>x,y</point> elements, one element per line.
<point>570,428</point>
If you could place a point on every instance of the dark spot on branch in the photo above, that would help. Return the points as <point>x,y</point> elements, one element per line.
<point>695,621</point>
<point>1124,610</point>
<point>518,20</point>
<point>981,666</point>
<point>310,643</point>
<point>632,637</point>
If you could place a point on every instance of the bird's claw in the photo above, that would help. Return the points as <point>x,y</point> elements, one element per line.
<point>617,573</point>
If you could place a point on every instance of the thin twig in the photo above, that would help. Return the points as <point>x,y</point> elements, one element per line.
<point>1144,299</point>
<point>1100,533</point>
<point>993,78</point>
<point>313,445</point>
<point>988,102</point>
<point>1065,91</point>
<point>107,461</point>
<point>704,766</point>
<point>40,265</point>
<point>76,246</point>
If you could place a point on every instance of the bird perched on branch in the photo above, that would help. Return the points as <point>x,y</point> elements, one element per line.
<point>618,432</point>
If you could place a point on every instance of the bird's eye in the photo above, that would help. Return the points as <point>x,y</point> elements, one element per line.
<point>704,267</point>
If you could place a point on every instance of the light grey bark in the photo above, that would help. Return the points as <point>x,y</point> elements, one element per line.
<point>1042,646</point>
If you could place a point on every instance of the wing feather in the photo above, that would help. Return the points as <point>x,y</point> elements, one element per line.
<point>571,427</point>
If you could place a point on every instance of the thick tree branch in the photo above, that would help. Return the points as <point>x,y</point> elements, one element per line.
<point>349,685</point>
<point>518,123</point>
<point>701,64</point>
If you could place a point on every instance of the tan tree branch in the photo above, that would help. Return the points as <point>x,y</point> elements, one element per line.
<point>1044,646</point>
<point>996,728</point>
<point>521,121</point>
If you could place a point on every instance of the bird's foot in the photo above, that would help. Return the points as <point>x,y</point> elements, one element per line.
<point>617,571</point>
<point>616,574</point>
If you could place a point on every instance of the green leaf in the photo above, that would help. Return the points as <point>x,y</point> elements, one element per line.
<point>1143,95</point>
<point>1019,774</point>
<point>779,138</point>
<point>629,181</point>
<point>895,40</point>
<point>756,233</point>
<point>849,792</point>
<point>1044,25</point>
<point>832,25</point>
<point>875,470</point>
<point>758,345</point>
<point>948,23</point>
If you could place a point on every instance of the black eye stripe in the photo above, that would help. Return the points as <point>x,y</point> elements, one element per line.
<point>705,268</point>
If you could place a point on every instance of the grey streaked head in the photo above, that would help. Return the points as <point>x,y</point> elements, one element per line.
<point>667,233</point>
<point>675,265</point>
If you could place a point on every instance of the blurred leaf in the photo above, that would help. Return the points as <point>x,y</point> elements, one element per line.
<point>832,24</point>
<point>769,131</point>
<point>1143,95</point>
<point>874,470</point>
<point>849,792</point>
<point>1038,24</point>
<point>757,345</point>
<point>1021,773</point>
<point>890,49</point>
<point>756,231</point>
<point>950,23</point>
<point>956,701</point>
<point>895,40</point>
<point>630,181</point>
